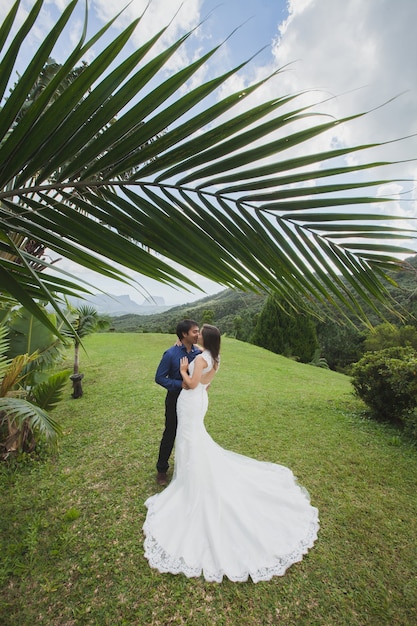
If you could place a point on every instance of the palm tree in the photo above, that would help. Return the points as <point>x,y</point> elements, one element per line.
<point>84,321</point>
<point>73,179</point>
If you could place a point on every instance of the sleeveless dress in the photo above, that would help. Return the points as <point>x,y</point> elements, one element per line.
<point>225,514</point>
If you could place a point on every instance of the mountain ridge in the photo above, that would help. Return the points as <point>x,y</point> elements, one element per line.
<point>117,305</point>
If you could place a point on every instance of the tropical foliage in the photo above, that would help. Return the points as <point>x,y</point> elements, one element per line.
<point>28,335</point>
<point>24,409</point>
<point>122,164</point>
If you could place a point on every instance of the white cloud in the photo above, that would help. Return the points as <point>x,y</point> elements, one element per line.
<point>365,53</point>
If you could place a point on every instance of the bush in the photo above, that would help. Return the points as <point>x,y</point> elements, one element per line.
<point>387,382</point>
<point>388,335</point>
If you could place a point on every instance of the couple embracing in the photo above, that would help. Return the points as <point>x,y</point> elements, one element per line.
<point>223,514</point>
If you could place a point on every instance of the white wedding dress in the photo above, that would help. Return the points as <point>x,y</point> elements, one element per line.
<point>225,514</point>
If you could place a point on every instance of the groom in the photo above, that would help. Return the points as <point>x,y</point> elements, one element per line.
<point>168,376</point>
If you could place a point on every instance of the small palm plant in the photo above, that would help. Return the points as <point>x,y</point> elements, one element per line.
<point>24,409</point>
<point>85,320</point>
<point>319,361</point>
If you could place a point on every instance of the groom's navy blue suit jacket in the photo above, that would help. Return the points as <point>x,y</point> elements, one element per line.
<point>168,372</point>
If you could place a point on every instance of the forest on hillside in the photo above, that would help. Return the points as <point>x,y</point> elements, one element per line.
<point>238,313</point>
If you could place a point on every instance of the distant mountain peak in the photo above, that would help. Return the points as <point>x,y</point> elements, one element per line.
<point>110,304</point>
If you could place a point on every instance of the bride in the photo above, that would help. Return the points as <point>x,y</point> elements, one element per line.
<point>223,514</point>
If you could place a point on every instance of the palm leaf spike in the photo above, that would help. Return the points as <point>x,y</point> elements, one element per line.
<point>63,118</point>
<point>8,61</point>
<point>236,157</point>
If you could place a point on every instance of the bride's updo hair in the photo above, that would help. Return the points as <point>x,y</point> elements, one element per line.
<point>211,340</point>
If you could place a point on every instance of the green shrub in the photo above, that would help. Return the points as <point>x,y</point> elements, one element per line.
<point>386,381</point>
<point>388,335</point>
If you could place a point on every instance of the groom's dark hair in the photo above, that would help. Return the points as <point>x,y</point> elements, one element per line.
<point>183,327</point>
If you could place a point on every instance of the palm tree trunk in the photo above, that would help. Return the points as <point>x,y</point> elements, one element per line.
<point>77,390</point>
<point>76,357</point>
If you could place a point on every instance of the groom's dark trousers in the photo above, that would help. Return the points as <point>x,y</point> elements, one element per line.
<point>168,437</point>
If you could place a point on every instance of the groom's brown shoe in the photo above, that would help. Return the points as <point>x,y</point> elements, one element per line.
<point>162,479</point>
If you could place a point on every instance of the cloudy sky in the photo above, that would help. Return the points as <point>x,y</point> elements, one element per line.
<point>355,54</point>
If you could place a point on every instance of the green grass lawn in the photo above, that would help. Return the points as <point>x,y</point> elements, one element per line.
<point>72,545</point>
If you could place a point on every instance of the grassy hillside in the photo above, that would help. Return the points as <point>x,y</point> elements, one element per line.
<point>71,524</point>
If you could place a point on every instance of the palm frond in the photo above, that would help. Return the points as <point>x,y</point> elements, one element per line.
<point>50,392</point>
<point>122,167</point>
<point>15,373</point>
<point>20,410</point>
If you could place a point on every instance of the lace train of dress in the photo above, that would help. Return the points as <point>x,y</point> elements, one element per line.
<point>225,514</point>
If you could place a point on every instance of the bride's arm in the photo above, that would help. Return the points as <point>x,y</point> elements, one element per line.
<point>192,381</point>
